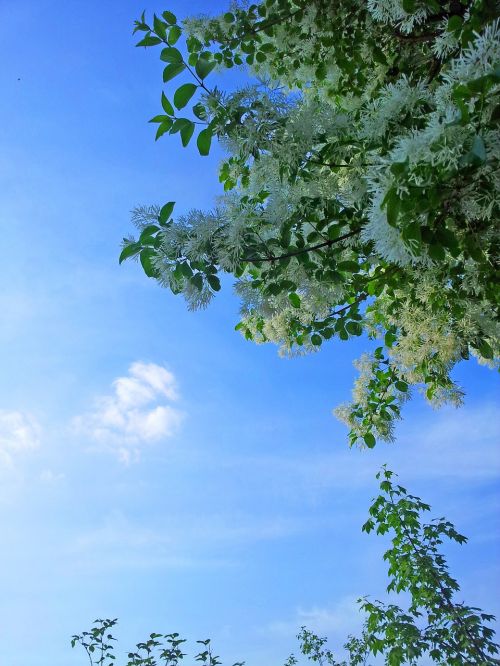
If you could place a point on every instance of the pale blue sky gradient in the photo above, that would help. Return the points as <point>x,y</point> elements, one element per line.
<point>245,523</point>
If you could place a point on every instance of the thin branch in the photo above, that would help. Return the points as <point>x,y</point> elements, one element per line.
<point>337,166</point>
<point>295,253</point>
<point>202,85</point>
<point>363,296</point>
<point>269,24</point>
<point>413,39</point>
<point>318,231</point>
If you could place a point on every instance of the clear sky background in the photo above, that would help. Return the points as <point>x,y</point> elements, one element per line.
<point>154,466</point>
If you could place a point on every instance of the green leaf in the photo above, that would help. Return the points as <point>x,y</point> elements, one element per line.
<point>204,141</point>
<point>200,111</point>
<point>321,71</point>
<point>393,207</point>
<point>229,17</point>
<point>147,232</point>
<point>169,17</point>
<point>183,94</point>
<point>294,300</point>
<point>187,133</point>
<point>401,386</point>
<point>354,328</point>
<point>398,168</point>
<point>204,66</point>
<point>455,24</point>
<point>163,128</point>
<point>316,339</point>
<point>197,281</point>
<point>370,443</point>
<point>171,55</point>
<point>485,350</point>
<point>174,34</point>
<point>167,107</point>
<point>436,252</point>
<point>412,232</point>
<point>348,266</point>
<point>146,257</point>
<point>129,250</point>
<point>160,27</point>
<point>214,282</point>
<point>149,41</point>
<point>158,119</point>
<point>179,123</point>
<point>173,70</point>
<point>185,269</point>
<point>389,339</point>
<point>166,212</point>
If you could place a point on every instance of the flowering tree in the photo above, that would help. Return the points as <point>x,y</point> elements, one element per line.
<point>361,184</point>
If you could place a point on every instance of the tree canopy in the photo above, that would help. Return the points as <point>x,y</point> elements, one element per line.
<point>361,184</point>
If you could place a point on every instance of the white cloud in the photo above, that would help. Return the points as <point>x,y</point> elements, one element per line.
<point>19,433</point>
<point>135,413</point>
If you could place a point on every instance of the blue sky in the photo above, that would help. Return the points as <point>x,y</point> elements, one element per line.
<point>154,466</point>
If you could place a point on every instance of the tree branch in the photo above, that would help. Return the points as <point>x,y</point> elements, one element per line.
<point>337,166</point>
<point>363,296</point>
<point>413,39</point>
<point>269,24</point>
<point>295,253</point>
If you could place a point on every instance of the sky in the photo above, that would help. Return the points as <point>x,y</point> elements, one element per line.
<point>154,466</point>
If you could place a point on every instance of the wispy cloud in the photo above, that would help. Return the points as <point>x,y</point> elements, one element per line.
<point>49,477</point>
<point>175,541</point>
<point>19,433</point>
<point>336,621</point>
<point>458,443</point>
<point>136,412</point>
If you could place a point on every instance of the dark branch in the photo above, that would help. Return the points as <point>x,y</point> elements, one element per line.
<point>269,24</point>
<point>337,166</point>
<point>295,253</point>
<point>363,296</point>
<point>413,39</point>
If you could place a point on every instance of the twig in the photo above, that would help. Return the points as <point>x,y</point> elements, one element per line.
<point>295,253</point>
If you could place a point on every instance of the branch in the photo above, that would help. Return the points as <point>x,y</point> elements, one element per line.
<point>269,24</point>
<point>363,296</point>
<point>413,39</point>
<point>202,85</point>
<point>337,166</point>
<point>312,248</point>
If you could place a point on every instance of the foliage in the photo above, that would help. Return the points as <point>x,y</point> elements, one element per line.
<point>361,184</point>
<point>433,626</point>
<point>159,649</point>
